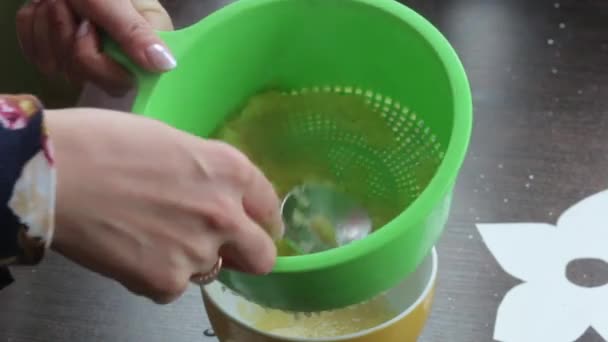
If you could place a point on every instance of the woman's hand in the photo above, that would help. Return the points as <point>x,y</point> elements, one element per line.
<point>151,206</point>
<point>62,36</point>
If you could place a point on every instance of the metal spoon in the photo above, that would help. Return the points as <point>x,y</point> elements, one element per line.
<point>319,217</point>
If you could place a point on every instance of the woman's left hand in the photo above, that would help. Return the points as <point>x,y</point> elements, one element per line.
<point>61,36</point>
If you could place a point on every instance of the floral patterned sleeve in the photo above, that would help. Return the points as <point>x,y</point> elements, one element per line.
<point>27,184</point>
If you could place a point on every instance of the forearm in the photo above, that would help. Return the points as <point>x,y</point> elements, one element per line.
<point>27,184</point>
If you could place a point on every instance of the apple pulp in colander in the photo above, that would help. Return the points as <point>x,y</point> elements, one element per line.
<point>295,138</point>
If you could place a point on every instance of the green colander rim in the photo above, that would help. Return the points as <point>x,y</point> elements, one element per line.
<point>447,171</point>
<point>446,174</point>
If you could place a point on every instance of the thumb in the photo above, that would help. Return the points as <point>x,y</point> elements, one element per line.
<point>132,23</point>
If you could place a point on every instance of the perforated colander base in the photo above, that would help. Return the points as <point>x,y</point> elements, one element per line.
<point>370,145</point>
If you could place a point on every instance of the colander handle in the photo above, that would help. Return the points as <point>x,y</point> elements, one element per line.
<point>176,41</point>
<point>145,80</point>
<point>112,49</point>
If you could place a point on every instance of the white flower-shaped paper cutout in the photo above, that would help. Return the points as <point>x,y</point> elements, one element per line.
<point>547,306</point>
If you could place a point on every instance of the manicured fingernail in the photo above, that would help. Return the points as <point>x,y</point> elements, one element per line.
<point>160,57</point>
<point>83,30</point>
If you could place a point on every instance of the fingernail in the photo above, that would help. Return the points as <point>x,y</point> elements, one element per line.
<point>160,57</point>
<point>83,30</point>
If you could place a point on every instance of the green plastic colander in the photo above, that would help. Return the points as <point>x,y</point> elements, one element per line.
<point>378,52</point>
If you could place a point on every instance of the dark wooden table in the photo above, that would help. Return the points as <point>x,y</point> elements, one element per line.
<point>539,73</point>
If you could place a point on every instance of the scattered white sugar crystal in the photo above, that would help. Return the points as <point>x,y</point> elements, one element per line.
<point>562,25</point>
<point>550,41</point>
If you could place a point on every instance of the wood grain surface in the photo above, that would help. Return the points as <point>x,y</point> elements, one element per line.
<point>539,73</point>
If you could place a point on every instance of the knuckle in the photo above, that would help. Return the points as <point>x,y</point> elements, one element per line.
<point>136,30</point>
<point>204,256</point>
<point>231,165</point>
<point>243,175</point>
<point>219,213</point>
<point>240,167</point>
<point>166,288</point>
<point>202,250</point>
